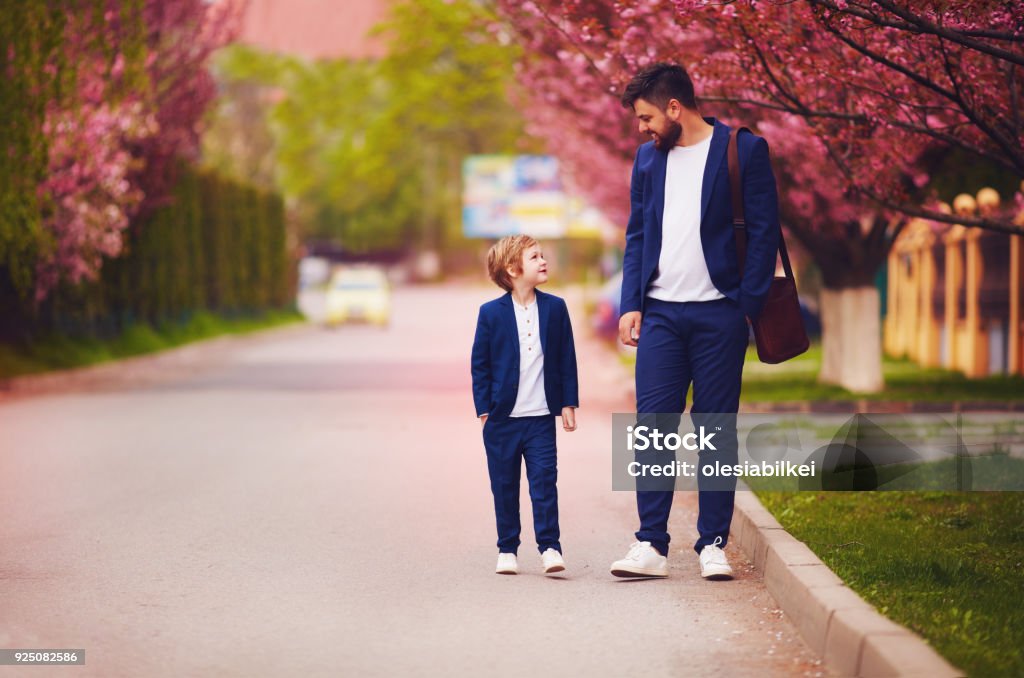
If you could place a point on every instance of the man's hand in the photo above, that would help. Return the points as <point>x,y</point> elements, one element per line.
<point>569,418</point>
<point>483,420</point>
<point>629,328</point>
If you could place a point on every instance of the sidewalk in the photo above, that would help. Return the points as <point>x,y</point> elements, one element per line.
<point>738,621</point>
<point>846,633</point>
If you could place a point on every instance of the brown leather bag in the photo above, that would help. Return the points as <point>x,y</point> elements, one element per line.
<point>779,331</point>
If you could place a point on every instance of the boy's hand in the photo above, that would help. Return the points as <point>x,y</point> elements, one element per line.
<point>629,328</point>
<point>483,420</point>
<point>569,418</point>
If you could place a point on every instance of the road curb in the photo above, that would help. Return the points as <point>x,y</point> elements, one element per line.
<point>844,630</point>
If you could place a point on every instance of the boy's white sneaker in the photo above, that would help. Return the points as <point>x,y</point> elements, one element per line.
<point>507,564</point>
<point>713,563</point>
<point>552,561</point>
<point>643,560</point>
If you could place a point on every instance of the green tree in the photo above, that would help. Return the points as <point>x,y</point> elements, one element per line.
<point>369,153</point>
<point>451,72</point>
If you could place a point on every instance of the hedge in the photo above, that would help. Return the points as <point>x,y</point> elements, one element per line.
<point>217,246</point>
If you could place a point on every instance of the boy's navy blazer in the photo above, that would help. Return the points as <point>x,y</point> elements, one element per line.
<point>760,204</point>
<point>495,359</point>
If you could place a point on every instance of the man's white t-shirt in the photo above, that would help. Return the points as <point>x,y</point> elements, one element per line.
<point>682,272</point>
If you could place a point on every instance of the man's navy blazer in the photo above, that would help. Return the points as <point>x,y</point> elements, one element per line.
<point>495,360</point>
<point>760,204</point>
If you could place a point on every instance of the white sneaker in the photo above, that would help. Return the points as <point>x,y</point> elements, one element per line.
<point>552,561</point>
<point>507,564</point>
<point>643,560</point>
<point>713,563</point>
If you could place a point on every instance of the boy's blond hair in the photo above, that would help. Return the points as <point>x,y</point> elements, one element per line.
<point>507,253</point>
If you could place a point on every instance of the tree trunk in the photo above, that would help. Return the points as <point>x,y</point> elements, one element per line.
<point>849,255</point>
<point>851,340</point>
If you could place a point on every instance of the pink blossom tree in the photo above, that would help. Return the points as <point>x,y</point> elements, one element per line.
<point>139,87</point>
<point>877,81</point>
<point>883,89</point>
<point>850,172</point>
<point>88,190</point>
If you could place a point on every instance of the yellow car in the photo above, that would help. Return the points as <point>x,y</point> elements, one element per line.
<point>358,294</point>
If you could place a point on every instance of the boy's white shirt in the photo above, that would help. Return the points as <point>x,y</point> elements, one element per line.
<point>530,400</point>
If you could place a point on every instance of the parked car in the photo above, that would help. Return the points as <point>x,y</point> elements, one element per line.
<point>358,293</point>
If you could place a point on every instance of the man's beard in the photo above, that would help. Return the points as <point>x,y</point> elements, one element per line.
<point>670,138</point>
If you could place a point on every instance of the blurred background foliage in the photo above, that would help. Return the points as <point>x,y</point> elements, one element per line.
<point>369,152</point>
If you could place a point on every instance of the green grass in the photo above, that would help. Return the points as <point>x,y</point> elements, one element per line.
<point>988,472</point>
<point>949,565</point>
<point>57,352</point>
<point>904,381</point>
<point>797,380</point>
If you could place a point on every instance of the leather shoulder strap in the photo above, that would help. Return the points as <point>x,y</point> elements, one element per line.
<point>739,224</point>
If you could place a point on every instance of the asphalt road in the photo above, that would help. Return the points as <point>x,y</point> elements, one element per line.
<point>314,502</point>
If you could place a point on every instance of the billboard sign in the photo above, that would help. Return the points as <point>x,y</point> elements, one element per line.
<point>511,194</point>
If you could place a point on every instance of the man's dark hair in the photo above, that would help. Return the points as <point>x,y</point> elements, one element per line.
<point>658,83</point>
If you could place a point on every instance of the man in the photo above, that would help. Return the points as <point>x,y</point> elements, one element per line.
<point>684,303</point>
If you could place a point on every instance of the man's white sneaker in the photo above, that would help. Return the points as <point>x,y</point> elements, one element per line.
<point>643,560</point>
<point>507,564</point>
<point>552,561</point>
<point>713,563</point>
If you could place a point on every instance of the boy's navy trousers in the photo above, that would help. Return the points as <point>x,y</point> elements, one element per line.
<point>508,442</point>
<point>703,343</point>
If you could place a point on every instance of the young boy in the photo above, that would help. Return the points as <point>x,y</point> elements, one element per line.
<point>524,375</point>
